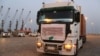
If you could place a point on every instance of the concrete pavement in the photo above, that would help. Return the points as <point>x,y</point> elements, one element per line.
<point>25,46</point>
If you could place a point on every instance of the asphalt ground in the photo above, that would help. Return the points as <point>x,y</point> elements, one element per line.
<point>25,46</point>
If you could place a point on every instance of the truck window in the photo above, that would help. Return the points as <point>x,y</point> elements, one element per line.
<point>66,16</point>
<point>77,17</point>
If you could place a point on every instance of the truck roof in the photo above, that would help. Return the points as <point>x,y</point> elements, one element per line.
<point>61,4</point>
<point>58,4</point>
<point>57,8</point>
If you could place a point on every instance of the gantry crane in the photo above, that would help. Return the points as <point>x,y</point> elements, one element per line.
<point>5,17</point>
<point>20,16</point>
<point>10,22</point>
<point>1,8</point>
<point>27,16</point>
<point>25,20</point>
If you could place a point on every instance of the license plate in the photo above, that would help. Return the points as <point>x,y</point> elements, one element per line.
<point>50,48</point>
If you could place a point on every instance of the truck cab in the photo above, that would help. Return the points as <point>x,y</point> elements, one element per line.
<point>59,28</point>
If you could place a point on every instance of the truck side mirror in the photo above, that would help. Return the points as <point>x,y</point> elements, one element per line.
<point>77,17</point>
<point>38,13</point>
<point>38,16</point>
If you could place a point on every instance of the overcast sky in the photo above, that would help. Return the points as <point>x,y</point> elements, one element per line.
<point>91,9</point>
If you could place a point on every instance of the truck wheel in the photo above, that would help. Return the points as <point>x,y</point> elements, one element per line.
<point>84,39</point>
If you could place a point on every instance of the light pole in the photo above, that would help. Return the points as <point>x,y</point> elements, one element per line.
<point>28,22</point>
<point>86,18</point>
<point>92,30</point>
<point>31,20</point>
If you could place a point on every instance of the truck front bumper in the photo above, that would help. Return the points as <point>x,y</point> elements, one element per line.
<point>60,52</point>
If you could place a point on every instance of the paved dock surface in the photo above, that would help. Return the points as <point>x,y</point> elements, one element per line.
<point>25,46</point>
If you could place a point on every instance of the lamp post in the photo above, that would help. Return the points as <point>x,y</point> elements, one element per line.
<point>31,20</point>
<point>92,30</point>
<point>86,18</point>
<point>28,22</point>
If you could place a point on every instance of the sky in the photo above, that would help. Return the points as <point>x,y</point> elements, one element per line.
<point>90,8</point>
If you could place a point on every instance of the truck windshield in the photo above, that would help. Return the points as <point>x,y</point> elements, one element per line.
<point>64,16</point>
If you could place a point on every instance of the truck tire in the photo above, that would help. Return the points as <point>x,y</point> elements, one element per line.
<point>84,39</point>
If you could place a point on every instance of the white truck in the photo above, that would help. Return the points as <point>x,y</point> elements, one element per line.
<point>61,29</point>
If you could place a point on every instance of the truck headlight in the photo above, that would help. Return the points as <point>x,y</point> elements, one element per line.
<point>47,20</point>
<point>39,44</point>
<point>4,34</point>
<point>68,47</point>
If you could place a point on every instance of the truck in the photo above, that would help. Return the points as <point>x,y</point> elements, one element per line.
<point>61,28</point>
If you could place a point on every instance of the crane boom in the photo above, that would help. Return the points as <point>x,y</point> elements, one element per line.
<point>28,15</point>
<point>26,19</point>
<point>20,16</point>
<point>1,9</point>
<point>15,14</point>
<point>6,15</point>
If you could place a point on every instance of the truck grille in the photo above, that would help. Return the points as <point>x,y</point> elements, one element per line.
<point>52,48</point>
